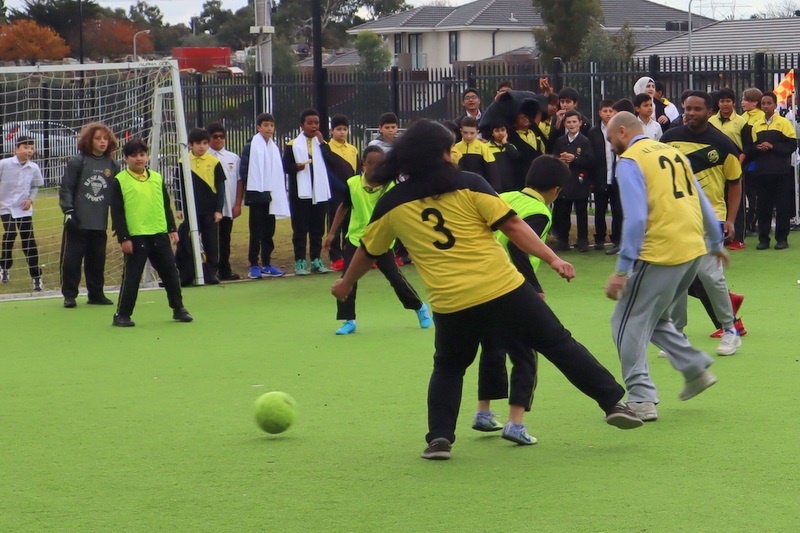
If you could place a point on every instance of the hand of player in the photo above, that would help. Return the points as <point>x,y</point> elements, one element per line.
<point>564,269</point>
<point>326,244</point>
<point>723,257</point>
<point>217,216</point>
<point>341,290</point>
<point>126,247</point>
<point>237,211</point>
<point>504,139</point>
<point>173,237</point>
<point>179,215</point>
<point>728,231</point>
<point>615,286</point>
<point>301,166</point>
<point>319,136</point>
<point>70,220</point>
<point>541,295</point>
<point>663,119</point>
<point>26,204</point>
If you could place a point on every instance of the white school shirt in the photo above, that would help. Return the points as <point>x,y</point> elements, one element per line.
<point>230,164</point>
<point>610,155</point>
<point>652,129</point>
<point>18,182</point>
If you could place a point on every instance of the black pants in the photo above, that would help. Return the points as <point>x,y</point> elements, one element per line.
<point>562,223</point>
<point>158,250</point>
<point>262,232</point>
<point>339,240</point>
<point>751,195</point>
<point>402,288</point>
<point>87,246</point>
<point>23,225</point>
<point>493,376</point>
<point>225,228</point>
<point>519,315</point>
<point>774,191</point>
<point>308,227</point>
<point>209,237</point>
<point>739,224</point>
<point>602,199</point>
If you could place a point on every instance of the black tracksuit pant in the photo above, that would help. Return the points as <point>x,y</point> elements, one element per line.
<point>262,231</point>
<point>774,191</point>
<point>520,315</point>
<point>402,288</point>
<point>225,229</point>
<point>308,226</point>
<point>209,237</point>
<point>158,249</point>
<point>340,239</point>
<point>602,199</point>
<point>87,246</point>
<point>23,225</point>
<point>562,222</point>
<point>493,376</point>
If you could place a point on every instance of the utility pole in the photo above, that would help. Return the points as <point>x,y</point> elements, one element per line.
<point>264,31</point>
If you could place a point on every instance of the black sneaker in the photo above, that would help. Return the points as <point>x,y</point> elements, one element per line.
<point>614,250</point>
<point>621,416</point>
<point>38,285</point>
<point>69,303</point>
<point>212,280</point>
<point>599,246</point>
<point>437,450</point>
<point>181,315</point>
<point>102,300</point>
<point>122,321</point>
<point>230,277</point>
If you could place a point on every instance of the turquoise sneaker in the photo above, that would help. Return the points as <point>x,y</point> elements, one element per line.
<point>318,268</point>
<point>301,268</point>
<point>518,433</point>
<point>347,328</point>
<point>486,421</point>
<point>424,317</point>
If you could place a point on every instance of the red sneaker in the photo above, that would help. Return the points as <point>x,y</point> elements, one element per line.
<point>736,302</point>
<point>736,245</point>
<point>739,328</point>
<point>338,266</point>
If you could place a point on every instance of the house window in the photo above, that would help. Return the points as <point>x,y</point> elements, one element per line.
<point>415,49</point>
<point>398,43</point>
<point>453,46</point>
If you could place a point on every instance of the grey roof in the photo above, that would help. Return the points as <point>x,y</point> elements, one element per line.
<point>498,14</point>
<point>645,38</point>
<point>344,57</point>
<point>735,37</point>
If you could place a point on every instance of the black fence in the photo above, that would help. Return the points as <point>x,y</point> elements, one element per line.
<point>436,93</point>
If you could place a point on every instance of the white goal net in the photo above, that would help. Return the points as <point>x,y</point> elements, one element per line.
<point>51,103</point>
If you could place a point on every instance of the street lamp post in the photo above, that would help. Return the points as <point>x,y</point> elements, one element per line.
<point>135,35</point>
<point>691,77</point>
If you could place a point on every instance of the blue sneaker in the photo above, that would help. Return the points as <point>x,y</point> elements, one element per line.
<point>347,328</point>
<point>518,433</point>
<point>424,317</point>
<point>271,272</point>
<point>301,268</point>
<point>255,272</point>
<point>486,421</point>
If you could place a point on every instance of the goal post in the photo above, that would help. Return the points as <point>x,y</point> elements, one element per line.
<point>51,103</point>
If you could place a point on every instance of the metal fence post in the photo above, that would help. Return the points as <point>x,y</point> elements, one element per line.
<point>472,76</point>
<point>395,80</point>
<point>198,87</point>
<point>654,66</point>
<point>321,100</point>
<point>558,69</point>
<point>760,68</point>
<point>258,94</point>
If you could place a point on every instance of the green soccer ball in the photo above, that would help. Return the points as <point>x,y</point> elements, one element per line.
<point>275,412</point>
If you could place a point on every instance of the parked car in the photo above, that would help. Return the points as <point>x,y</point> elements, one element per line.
<point>55,144</point>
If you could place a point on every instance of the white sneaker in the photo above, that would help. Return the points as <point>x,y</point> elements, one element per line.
<point>646,411</point>
<point>662,353</point>
<point>729,343</point>
<point>697,385</point>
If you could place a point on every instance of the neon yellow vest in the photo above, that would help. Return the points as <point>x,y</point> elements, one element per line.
<point>144,203</point>
<point>526,203</point>
<point>363,205</point>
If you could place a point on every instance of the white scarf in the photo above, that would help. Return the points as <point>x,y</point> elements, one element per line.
<point>265,173</point>
<point>320,190</point>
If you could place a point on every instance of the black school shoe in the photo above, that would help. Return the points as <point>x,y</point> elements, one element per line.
<point>181,314</point>
<point>122,321</point>
<point>69,303</point>
<point>437,450</point>
<point>101,300</point>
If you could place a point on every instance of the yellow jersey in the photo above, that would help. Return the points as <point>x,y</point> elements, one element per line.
<point>450,236</point>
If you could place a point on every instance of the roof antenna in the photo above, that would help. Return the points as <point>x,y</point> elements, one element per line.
<point>512,19</point>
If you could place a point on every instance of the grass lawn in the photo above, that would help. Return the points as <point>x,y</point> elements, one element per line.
<point>151,428</point>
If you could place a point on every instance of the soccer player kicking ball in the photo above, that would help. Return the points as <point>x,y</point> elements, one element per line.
<point>446,219</point>
<point>666,217</point>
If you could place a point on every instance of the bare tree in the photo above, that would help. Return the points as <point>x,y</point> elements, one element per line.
<point>780,9</point>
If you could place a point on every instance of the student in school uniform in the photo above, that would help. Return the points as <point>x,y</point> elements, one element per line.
<point>505,159</point>
<point>603,186</point>
<point>643,104</point>
<point>446,218</point>
<point>234,193</point>
<point>475,154</point>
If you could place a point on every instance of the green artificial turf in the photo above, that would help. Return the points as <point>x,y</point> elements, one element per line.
<point>151,428</point>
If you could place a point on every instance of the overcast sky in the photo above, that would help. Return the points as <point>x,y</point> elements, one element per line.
<point>179,11</point>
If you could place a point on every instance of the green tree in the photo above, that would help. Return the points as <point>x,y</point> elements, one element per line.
<point>213,17</point>
<point>3,12</point>
<point>235,32</point>
<point>373,55</point>
<point>599,45</point>
<point>61,15</point>
<point>566,22</point>
<point>144,14</point>
<point>284,60</point>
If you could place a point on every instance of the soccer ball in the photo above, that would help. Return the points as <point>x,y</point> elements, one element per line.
<point>275,412</point>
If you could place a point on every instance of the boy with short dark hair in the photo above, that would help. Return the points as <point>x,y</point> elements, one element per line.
<point>644,107</point>
<point>264,184</point>
<point>388,125</point>
<point>20,179</point>
<point>604,188</point>
<point>575,150</point>
<point>341,157</point>
<point>142,220</point>
<point>208,186</point>
<point>309,193</point>
<point>567,101</point>
<point>475,155</point>
<point>505,157</point>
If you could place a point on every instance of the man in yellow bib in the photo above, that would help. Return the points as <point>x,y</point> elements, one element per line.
<point>667,216</point>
